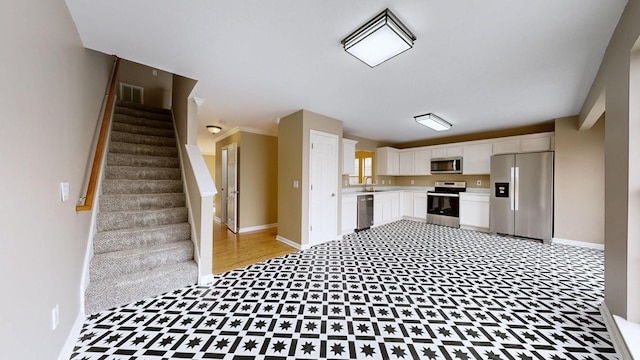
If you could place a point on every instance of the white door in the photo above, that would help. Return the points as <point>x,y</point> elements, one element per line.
<point>232,187</point>
<point>323,187</point>
<point>224,190</point>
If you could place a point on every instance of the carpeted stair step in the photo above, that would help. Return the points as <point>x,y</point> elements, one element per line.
<point>126,186</point>
<point>106,294</point>
<point>126,239</point>
<point>122,110</point>
<point>140,149</point>
<point>134,172</point>
<point>132,120</point>
<point>117,159</point>
<point>127,202</point>
<point>142,130</point>
<point>120,263</point>
<point>142,139</point>
<point>140,218</point>
<point>143,107</point>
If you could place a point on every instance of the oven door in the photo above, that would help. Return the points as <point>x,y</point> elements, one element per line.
<point>443,209</point>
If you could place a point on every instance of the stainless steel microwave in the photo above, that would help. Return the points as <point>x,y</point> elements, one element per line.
<point>451,165</point>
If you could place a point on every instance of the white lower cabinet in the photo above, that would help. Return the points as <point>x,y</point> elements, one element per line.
<point>349,214</point>
<point>386,207</point>
<point>420,205</point>
<point>406,204</point>
<point>474,211</point>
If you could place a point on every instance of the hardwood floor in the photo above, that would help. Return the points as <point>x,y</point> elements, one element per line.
<point>233,251</point>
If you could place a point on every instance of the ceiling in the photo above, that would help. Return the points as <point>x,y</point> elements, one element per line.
<point>481,65</point>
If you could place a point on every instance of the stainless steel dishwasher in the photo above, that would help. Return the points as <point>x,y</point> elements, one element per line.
<point>365,212</point>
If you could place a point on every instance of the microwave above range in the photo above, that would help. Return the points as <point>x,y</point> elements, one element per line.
<point>450,165</point>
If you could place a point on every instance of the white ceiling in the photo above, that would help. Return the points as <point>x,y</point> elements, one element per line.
<point>481,65</point>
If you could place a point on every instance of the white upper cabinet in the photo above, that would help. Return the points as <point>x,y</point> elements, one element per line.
<point>446,151</point>
<point>476,159</point>
<point>387,161</point>
<point>348,156</point>
<point>524,143</point>
<point>422,162</point>
<point>406,162</point>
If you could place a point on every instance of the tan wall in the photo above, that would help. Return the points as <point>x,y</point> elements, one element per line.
<point>157,89</point>
<point>257,178</point>
<point>259,181</point>
<point>579,182</point>
<point>289,170</point>
<point>51,94</point>
<point>210,160</point>
<point>622,172</point>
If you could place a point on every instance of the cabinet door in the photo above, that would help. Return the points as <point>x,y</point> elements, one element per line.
<point>387,161</point>
<point>536,144</point>
<point>349,214</point>
<point>407,203</point>
<point>438,153</point>
<point>395,205</point>
<point>454,151</point>
<point>377,210</point>
<point>474,211</point>
<point>387,212</point>
<point>422,162</point>
<point>509,146</point>
<point>476,159</point>
<point>406,162</point>
<point>420,205</point>
<point>348,156</point>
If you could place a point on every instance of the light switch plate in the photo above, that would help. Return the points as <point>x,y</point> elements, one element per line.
<point>296,184</point>
<point>64,191</point>
<point>413,181</point>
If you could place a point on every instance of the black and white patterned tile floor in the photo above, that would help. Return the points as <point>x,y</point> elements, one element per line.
<point>406,290</point>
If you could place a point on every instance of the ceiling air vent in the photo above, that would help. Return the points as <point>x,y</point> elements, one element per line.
<point>131,93</point>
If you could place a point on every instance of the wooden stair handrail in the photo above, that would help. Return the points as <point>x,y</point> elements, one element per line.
<point>97,158</point>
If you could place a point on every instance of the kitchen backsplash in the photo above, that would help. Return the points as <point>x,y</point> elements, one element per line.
<point>427,180</point>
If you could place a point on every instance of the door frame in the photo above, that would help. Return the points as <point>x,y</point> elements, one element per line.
<point>334,213</point>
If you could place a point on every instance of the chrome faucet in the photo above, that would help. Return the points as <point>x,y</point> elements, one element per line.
<point>364,183</point>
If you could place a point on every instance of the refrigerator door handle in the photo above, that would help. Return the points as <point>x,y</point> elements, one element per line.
<point>511,189</point>
<point>517,188</point>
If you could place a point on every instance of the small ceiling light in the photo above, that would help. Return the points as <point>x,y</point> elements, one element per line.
<point>214,129</point>
<point>433,121</point>
<point>380,39</point>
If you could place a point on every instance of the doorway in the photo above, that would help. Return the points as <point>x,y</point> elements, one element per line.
<point>229,177</point>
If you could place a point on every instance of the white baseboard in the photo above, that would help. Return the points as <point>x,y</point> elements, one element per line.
<point>474,228</point>
<point>257,228</point>
<point>289,242</point>
<point>206,279</point>
<point>578,243</point>
<point>72,338</point>
<point>217,219</point>
<point>616,336</point>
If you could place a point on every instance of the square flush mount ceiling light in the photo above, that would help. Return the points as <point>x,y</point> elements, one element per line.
<point>433,121</point>
<point>380,39</point>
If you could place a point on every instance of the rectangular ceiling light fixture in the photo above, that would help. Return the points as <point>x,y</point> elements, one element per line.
<point>380,39</point>
<point>433,121</point>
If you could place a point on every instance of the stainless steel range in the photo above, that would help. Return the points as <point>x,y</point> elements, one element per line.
<point>443,204</point>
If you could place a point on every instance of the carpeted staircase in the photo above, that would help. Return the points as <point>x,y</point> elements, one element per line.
<point>142,244</point>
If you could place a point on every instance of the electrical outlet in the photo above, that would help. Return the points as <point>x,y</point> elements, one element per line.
<point>413,181</point>
<point>154,72</point>
<point>479,182</point>
<point>389,181</point>
<point>55,317</point>
<point>296,184</point>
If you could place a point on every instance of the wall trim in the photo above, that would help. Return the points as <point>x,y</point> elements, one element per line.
<point>289,242</point>
<point>614,331</point>
<point>206,279</point>
<point>577,243</point>
<point>217,219</point>
<point>245,129</point>
<point>72,337</point>
<point>257,228</point>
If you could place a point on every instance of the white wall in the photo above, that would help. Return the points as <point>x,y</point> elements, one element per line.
<point>51,90</point>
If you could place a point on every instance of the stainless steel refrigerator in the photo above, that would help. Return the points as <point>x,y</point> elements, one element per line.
<point>522,195</point>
